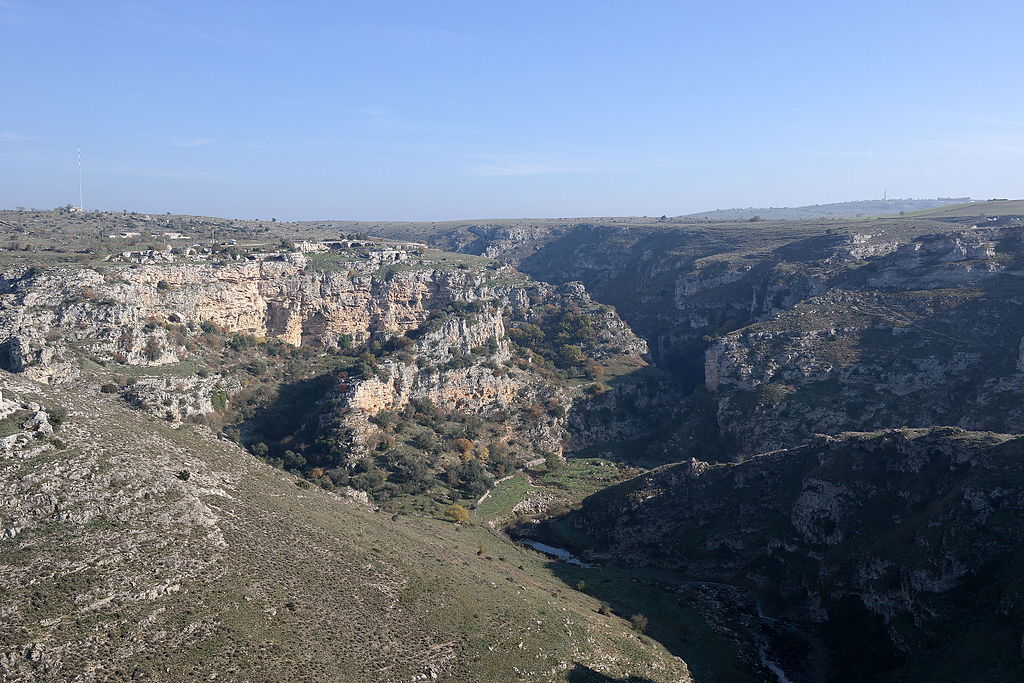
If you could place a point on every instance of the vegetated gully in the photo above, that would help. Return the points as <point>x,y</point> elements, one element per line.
<point>759,643</point>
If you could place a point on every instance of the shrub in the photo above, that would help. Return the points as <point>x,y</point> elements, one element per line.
<point>293,460</point>
<point>470,477</point>
<point>385,419</point>
<point>553,462</point>
<point>458,514</point>
<point>369,481</point>
<point>773,394</point>
<point>163,285</point>
<point>425,440</point>
<point>240,342</point>
<point>256,367</point>
<point>57,415</point>
<point>153,350</point>
<point>339,476</point>
<point>219,400</point>
<point>638,622</point>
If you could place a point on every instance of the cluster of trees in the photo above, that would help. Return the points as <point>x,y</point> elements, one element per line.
<point>421,449</point>
<point>558,337</point>
<point>290,411</point>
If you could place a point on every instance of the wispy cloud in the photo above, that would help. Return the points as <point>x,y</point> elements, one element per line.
<point>523,165</point>
<point>15,13</point>
<point>195,142</point>
<point>156,172</point>
<point>7,136</point>
<point>152,18</point>
<point>377,114</point>
<point>407,33</point>
<point>190,143</point>
<point>978,146</point>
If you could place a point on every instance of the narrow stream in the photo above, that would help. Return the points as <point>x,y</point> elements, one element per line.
<point>560,554</point>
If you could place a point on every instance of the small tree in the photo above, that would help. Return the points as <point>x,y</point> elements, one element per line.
<point>553,462</point>
<point>459,514</point>
<point>465,447</point>
<point>639,622</point>
<point>153,350</point>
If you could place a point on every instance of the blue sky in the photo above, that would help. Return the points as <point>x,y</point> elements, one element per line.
<point>444,109</point>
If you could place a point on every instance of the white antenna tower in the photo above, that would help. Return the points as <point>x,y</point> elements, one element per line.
<point>81,203</point>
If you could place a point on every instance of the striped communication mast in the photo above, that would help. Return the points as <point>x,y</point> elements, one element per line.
<point>81,203</point>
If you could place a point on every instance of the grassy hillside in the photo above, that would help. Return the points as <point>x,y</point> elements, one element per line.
<point>854,209</point>
<point>990,208</point>
<point>134,550</point>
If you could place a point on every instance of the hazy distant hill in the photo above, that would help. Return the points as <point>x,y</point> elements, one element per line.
<point>857,209</point>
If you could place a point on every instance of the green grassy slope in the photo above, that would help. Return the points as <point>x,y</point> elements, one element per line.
<point>119,565</point>
<point>994,207</point>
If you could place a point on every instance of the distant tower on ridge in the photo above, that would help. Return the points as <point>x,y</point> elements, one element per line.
<point>81,202</point>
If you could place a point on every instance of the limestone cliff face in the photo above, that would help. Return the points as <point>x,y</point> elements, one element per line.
<point>430,375</point>
<point>51,322</point>
<point>928,334</point>
<point>462,366</point>
<point>797,329</point>
<point>911,529</point>
<point>674,287</point>
<point>109,313</point>
<point>467,364</point>
<point>942,260</point>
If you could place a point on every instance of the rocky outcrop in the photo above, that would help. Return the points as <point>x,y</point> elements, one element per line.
<point>26,420</point>
<point>916,529</point>
<point>858,359</point>
<point>452,319</point>
<point>465,363</point>
<point>49,319</point>
<point>933,261</point>
<point>432,372</point>
<point>176,398</point>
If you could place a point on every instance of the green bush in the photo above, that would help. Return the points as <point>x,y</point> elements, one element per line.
<point>57,415</point>
<point>219,400</point>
